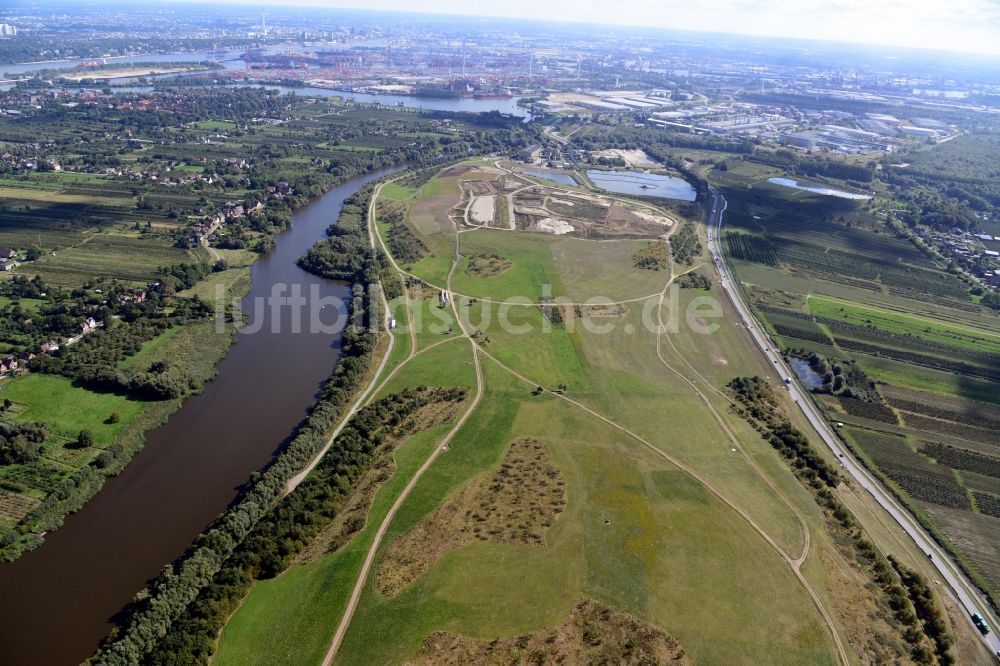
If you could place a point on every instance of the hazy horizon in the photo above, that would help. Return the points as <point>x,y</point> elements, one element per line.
<point>965,26</point>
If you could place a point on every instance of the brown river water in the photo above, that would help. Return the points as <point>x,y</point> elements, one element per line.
<point>57,602</point>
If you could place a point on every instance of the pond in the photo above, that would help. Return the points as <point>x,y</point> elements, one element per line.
<point>809,377</point>
<point>643,184</point>
<point>554,176</point>
<point>788,182</point>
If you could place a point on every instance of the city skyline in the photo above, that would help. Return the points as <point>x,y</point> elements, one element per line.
<point>969,26</point>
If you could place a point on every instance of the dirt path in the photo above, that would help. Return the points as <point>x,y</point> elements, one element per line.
<point>294,482</point>
<point>793,563</point>
<point>405,361</point>
<point>352,604</point>
<point>440,447</point>
<point>211,250</point>
<point>736,444</point>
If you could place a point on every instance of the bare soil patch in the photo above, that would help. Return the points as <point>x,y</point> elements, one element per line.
<point>594,634</point>
<point>483,209</point>
<point>456,170</point>
<point>513,505</point>
<point>550,210</point>
<point>479,188</point>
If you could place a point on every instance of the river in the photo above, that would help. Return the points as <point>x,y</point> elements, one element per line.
<point>232,61</point>
<point>59,599</point>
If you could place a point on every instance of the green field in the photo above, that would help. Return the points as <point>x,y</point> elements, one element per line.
<point>979,340</point>
<point>663,527</point>
<point>649,527</point>
<point>68,409</point>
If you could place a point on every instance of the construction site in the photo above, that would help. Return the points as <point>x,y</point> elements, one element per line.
<point>514,201</point>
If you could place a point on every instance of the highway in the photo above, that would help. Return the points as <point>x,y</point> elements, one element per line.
<point>967,595</point>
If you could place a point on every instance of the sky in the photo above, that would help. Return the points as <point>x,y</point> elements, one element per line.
<point>953,25</point>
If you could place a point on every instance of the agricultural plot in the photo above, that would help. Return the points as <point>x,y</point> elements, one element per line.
<point>920,477</point>
<point>825,277</point>
<point>976,535</point>
<point>130,259</point>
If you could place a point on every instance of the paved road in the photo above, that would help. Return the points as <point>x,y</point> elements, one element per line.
<point>966,594</point>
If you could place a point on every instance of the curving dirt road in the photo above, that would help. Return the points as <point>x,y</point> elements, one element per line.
<point>440,447</point>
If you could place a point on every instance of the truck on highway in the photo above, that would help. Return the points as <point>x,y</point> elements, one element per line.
<point>980,623</point>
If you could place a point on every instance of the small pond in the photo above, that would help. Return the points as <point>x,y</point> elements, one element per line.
<point>789,182</point>
<point>644,184</point>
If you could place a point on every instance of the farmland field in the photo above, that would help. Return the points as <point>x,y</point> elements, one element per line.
<point>837,284</point>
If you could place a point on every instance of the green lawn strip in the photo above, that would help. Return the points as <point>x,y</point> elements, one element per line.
<point>449,364</point>
<point>522,339</point>
<point>150,347</point>
<point>431,321</point>
<point>28,304</point>
<point>306,601</point>
<point>853,313</point>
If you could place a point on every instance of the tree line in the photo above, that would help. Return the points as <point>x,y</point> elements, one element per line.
<point>95,360</point>
<point>21,442</point>
<point>912,605</point>
<point>293,523</point>
<point>757,403</point>
<point>167,598</point>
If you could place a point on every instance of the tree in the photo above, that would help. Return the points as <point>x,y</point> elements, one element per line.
<point>114,418</point>
<point>85,439</point>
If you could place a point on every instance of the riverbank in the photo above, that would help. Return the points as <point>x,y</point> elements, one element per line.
<point>191,468</point>
<point>125,72</point>
<point>197,347</point>
<point>165,601</point>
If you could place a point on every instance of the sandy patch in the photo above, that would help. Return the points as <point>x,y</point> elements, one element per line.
<point>633,158</point>
<point>482,209</point>
<point>548,225</point>
<point>653,217</point>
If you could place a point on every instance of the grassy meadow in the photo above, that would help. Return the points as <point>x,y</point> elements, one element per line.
<point>655,538</point>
